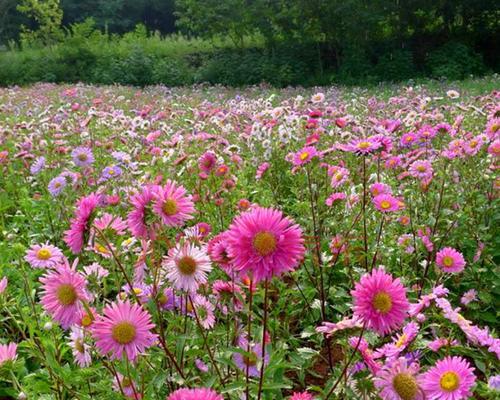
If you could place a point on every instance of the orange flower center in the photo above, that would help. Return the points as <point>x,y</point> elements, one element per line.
<point>43,254</point>
<point>264,243</point>
<point>187,265</point>
<point>364,145</point>
<point>304,156</point>
<point>385,204</point>
<point>449,381</point>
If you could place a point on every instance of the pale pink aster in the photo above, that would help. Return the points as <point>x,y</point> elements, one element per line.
<point>195,394</point>
<point>493,128</point>
<point>386,203</point>
<point>380,188</point>
<point>399,342</point>
<point>128,387</point>
<point>201,365</point>
<point>305,155</point>
<point>63,291</point>
<point>450,260</point>
<point>3,284</point>
<point>140,218</point>
<point>8,352</point>
<point>380,301</point>
<point>494,148</point>
<point>97,270</point>
<point>335,197</point>
<point>261,170</point>
<point>123,329</point>
<point>172,204</point>
<point>330,328</point>
<point>187,266</point>
<point>80,224</point>
<point>450,379</point>
<point>44,256</point>
<point>399,381</point>
<point>362,146</point>
<point>81,350</point>
<point>436,344</point>
<point>110,224</point>
<point>204,311</point>
<point>469,296</point>
<point>264,243</point>
<point>421,169</point>
<point>339,176</point>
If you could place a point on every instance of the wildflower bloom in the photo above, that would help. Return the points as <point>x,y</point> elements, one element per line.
<point>82,156</point>
<point>380,188</point>
<point>207,162</point>
<point>74,236</point>
<point>64,290</point>
<point>469,296</point>
<point>139,220</point>
<point>421,169</point>
<point>386,203</point>
<point>264,242</point>
<point>128,387</point>
<point>261,170</point>
<point>399,380</point>
<point>450,379</point>
<point>362,146</point>
<point>123,329</point>
<point>81,350</point>
<point>110,224</point>
<point>37,166</point>
<point>3,284</point>
<point>195,394</point>
<point>305,155</point>
<point>334,197</point>
<point>204,311</point>
<point>339,176</point>
<point>44,256</point>
<point>8,352</point>
<point>450,260</point>
<point>250,359</point>
<point>57,185</point>
<point>301,396</point>
<point>186,266</point>
<point>380,301</point>
<point>172,204</point>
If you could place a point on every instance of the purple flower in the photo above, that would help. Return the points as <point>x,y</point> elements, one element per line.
<point>82,156</point>
<point>37,166</point>
<point>57,185</point>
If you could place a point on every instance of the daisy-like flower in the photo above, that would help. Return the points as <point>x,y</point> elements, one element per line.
<point>399,381</point>
<point>318,98</point>
<point>264,243</point>
<point>80,223</point>
<point>82,156</point>
<point>450,260</point>
<point>493,128</point>
<point>380,188</point>
<point>450,379</point>
<point>8,352</point>
<point>251,359</point>
<point>172,204</point>
<point>81,350</point>
<point>128,387</point>
<point>207,162</point>
<point>195,394</point>
<point>304,156</point>
<point>44,256</point>
<point>261,170</point>
<point>64,290</point>
<point>494,148</point>
<point>204,311</point>
<point>380,301</point>
<point>187,266</point>
<point>37,166</point>
<point>339,176</point>
<point>57,185</point>
<point>386,203</point>
<point>408,139</point>
<point>140,218</point>
<point>228,296</point>
<point>123,329</point>
<point>302,396</point>
<point>469,296</point>
<point>167,299</point>
<point>362,146</point>
<point>421,169</point>
<point>400,342</point>
<point>110,225</point>
<point>335,197</point>
<point>96,270</point>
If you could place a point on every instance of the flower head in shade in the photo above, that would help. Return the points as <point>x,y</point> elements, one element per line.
<point>187,266</point>
<point>8,352</point>
<point>44,256</point>
<point>140,219</point>
<point>123,329</point>
<point>74,237</point>
<point>110,225</point>
<point>81,350</point>
<point>469,296</point>
<point>64,290</point>
<point>57,185</point>
<point>172,204</point>
<point>450,379</point>
<point>261,170</point>
<point>264,243</point>
<point>82,156</point>
<point>195,394</point>
<point>450,260</point>
<point>228,296</point>
<point>250,359</point>
<point>380,301</point>
<point>386,203</point>
<point>128,387</point>
<point>494,382</point>
<point>399,381</point>
<point>167,299</point>
<point>305,155</point>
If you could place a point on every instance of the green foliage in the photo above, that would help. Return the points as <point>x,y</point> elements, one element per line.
<point>455,61</point>
<point>48,16</point>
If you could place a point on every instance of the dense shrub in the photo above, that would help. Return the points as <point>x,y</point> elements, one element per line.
<point>454,61</point>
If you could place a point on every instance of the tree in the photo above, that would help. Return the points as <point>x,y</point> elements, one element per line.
<point>48,16</point>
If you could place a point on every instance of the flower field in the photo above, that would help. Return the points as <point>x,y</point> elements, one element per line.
<point>210,243</point>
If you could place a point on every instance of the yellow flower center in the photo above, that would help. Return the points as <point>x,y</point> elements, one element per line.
<point>409,139</point>
<point>187,265</point>
<point>382,302</point>
<point>421,168</point>
<point>405,386</point>
<point>338,176</point>
<point>86,320</point>
<point>66,294</point>
<point>170,207</point>
<point>162,299</point>
<point>385,204</point>
<point>447,261</point>
<point>123,332</point>
<point>126,382</point>
<point>473,143</point>
<point>449,381</point>
<point>364,145</point>
<point>495,127</point>
<point>101,249</point>
<point>304,156</point>
<point>137,291</point>
<point>82,157</point>
<point>79,346</point>
<point>43,254</point>
<point>264,243</point>
<point>111,172</point>
<point>401,341</point>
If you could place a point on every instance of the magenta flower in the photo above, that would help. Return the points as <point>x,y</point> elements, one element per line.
<point>264,243</point>
<point>195,394</point>
<point>110,224</point>
<point>304,156</point>
<point>450,260</point>
<point>301,396</point>
<point>8,352</point>
<point>363,146</point>
<point>421,169</point>
<point>399,381</point>
<point>386,203</point>
<point>380,301</point>
<point>207,162</point>
<point>139,220</point>
<point>44,256</point>
<point>450,379</point>
<point>74,237</point>
<point>123,329</point>
<point>172,204</point>
<point>64,290</point>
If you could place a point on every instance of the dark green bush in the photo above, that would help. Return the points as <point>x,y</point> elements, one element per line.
<point>395,66</point>
<point>454,61</point>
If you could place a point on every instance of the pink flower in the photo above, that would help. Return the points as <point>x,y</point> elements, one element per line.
<point>139,219</point>
<point>195,394</point>
<point>172,204</point>
<point>204,311</point>
<point>304,156</point>
<point>362,146</point>
<point>207,162</point>
<point>44,256</point>
<point>110,224</point>
<point>380,301</point>
<point>81,350</point>
<point>334,197</point>
<point>302,396</point>
<point>380,188</point>
<point>264,243</point>
<point>127,386</point>
<point>63,292</point>
<point>450,379</point>
<point>339,176</point>
<point>399,381</point>
<point>261,170</point>
<point>123,328</point>
<point>469,296</point>
<point>421,169</point>
<point>8,352</point>
<point>450,260</point>
<point>3,284</point>
<point>186,266</point>
<point>330,328</point>
<point>80,224</point>
<point>386,203</point>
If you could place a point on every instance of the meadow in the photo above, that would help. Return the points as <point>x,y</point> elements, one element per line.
<point>215,243</point>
